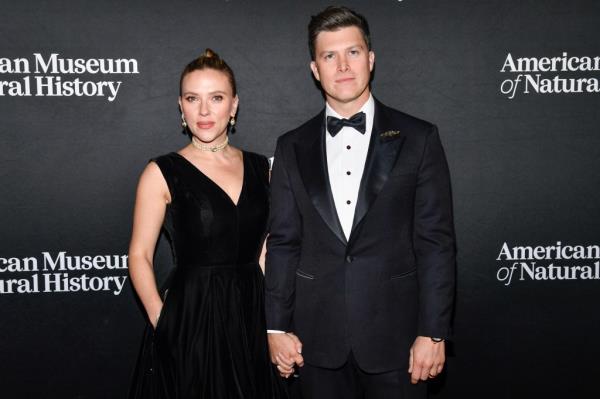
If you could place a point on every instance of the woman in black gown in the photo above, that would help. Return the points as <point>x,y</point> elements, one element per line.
<point>207,337</point>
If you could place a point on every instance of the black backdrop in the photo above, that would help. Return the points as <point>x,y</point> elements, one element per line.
<point>524,171</point>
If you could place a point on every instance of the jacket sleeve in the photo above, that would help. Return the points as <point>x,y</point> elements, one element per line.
<point>283,247</point>
<point>434,241</point>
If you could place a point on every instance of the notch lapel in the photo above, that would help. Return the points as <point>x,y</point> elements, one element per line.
<point>384,147</point>
<point>312,164</point>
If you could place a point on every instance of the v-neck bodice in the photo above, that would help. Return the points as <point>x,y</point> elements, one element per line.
<point>204,225</point>
<point>205,176</point>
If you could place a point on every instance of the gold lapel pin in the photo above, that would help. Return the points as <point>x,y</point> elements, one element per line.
<point>389,133</point>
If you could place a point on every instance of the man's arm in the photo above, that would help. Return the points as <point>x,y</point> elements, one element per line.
<point>283,253</point>
<point>436,259</point>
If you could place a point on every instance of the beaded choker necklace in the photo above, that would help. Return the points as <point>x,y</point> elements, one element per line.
<point>212,148</point>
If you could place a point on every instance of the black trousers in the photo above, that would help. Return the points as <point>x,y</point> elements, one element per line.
<point>350,382</point>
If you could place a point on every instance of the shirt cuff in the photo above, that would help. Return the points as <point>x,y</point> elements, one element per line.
<point>275,332</point>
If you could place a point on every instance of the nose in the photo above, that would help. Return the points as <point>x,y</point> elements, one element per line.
<point>343,64</point>
<point>204,108</point>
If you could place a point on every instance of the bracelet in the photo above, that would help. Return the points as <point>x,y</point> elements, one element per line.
<point>437,340</point>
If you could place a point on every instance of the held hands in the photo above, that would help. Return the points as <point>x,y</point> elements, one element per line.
<point>285,350</point>
<point>426,359</point>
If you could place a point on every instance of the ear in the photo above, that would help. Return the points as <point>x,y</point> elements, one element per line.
<point>371,60</point>
<point>179,102</point>
<point>315,70</point>
<point>234,105</point>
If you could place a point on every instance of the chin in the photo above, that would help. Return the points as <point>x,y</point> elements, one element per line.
<point>205,137</point>
<point>347,95</point>
<point>346,99</point>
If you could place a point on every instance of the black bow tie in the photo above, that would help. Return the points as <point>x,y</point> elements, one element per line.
<point>357,121</point>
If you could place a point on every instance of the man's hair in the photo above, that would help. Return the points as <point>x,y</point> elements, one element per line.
<point>209,60</point>
<point>334,18</point>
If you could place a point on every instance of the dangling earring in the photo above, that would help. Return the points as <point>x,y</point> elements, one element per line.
<point>232,121</point>
<point>183,122</point>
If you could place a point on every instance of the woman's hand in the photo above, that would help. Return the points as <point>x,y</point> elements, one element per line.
<point>155,317</point>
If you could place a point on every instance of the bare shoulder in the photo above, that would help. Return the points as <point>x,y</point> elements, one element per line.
<point>152,183</point>
<point>152,172</point>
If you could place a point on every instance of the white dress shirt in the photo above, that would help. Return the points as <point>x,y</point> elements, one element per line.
<point>346,157</point>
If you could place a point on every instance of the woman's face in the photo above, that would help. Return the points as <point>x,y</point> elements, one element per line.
<point>207,103</point>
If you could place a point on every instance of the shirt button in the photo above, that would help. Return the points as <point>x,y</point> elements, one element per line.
<point>348,173</point>
<point>348,147</point>
<point>349,259</point>
<point>348,202</point>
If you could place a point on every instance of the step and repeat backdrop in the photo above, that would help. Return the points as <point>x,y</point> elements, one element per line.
<point>88,93</point>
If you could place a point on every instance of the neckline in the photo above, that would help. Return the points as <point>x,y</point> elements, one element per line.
<point>211,181</point>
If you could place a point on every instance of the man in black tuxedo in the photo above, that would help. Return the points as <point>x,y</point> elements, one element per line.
<point>361,254</point>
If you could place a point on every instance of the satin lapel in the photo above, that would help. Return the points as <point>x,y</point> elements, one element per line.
<point>312,163</point>
<point>384,148</point>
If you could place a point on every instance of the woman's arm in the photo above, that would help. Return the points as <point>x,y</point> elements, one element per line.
<point>151,201</point>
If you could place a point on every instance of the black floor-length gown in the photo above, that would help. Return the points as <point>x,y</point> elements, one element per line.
<point>210,341</point>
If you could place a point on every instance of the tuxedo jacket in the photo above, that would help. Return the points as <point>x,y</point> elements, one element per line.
<point>393,278</point>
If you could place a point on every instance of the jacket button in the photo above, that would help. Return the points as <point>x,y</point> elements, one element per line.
<point>349,259</point>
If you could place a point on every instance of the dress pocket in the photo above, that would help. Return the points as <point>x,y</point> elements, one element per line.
<point>162,311</point>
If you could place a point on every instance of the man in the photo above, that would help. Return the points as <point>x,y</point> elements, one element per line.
<point>361,254</point>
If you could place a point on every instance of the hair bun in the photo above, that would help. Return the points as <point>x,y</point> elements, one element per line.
<point>208,53</point>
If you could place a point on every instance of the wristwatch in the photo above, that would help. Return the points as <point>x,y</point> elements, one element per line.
<point>437,340</point>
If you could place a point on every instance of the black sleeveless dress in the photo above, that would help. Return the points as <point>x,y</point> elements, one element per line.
<point>210,341</point>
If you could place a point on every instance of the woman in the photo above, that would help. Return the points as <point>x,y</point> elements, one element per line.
<point>208,335</point>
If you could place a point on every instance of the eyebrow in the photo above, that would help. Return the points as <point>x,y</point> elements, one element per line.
<point>358,45</point>
<point>211,93</point>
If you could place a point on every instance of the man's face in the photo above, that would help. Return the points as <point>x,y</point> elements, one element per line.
<point>343,65</point>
